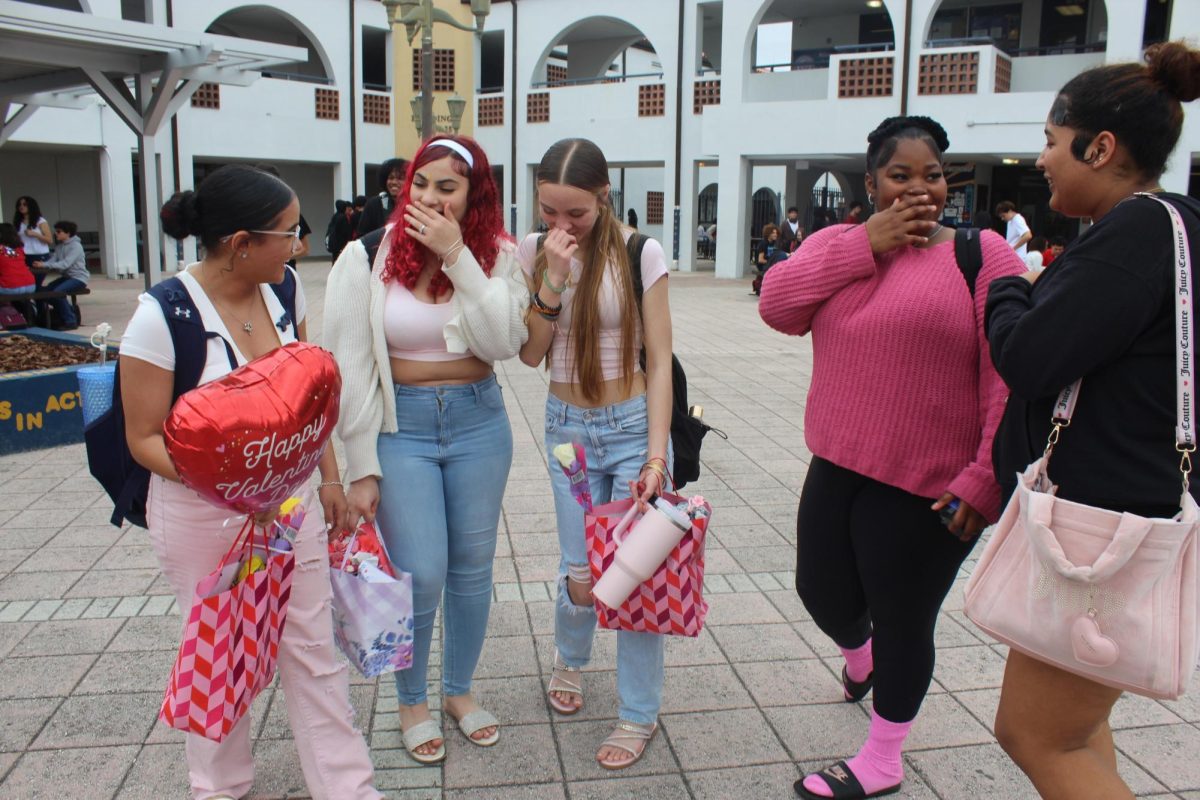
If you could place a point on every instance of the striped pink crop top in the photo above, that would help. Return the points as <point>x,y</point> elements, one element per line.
<point>562,348</point>
<point>413,329</point>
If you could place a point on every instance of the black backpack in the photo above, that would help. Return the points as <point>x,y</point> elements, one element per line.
<point>968,253</point>
<point>109,459</point>
<point>687,431</point>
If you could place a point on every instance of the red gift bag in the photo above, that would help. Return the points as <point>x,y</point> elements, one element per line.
<point>231,640</point>
<point>670,602</point>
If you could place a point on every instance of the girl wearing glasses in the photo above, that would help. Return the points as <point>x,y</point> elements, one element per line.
<point>428,443</point>
<point>246,220</point>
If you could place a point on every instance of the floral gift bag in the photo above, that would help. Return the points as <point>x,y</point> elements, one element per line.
<point>372,604</point>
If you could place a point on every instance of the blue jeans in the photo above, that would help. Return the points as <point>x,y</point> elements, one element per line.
<point>62,305</point>
<point>616,441</point>
<point>444,473</point>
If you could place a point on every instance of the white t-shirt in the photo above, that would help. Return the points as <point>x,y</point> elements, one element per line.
<point>33,245</point>
<point>148,339</point>
<point>1033,260</point>
<point>1017,228</point>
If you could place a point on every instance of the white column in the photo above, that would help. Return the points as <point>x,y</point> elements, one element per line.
<point>1185,21</point>
<point>1126,22</point>
<point>1179,169</point>
<point>733,209</point>
<point>117,218</point>
<point>687,214</point>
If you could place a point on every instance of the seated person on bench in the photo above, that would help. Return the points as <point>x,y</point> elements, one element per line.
<point>15,277</point>
<point>69,260</point>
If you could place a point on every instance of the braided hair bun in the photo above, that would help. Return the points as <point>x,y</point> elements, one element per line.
<point>881,142</point>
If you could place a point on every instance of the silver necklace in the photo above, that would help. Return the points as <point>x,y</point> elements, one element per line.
<point>247,326</point>
<point>935,231</point>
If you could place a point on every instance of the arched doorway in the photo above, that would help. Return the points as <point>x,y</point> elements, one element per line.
<point>268,24</point>
<point>596,50</point>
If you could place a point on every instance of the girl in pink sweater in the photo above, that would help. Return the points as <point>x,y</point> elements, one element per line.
<point>900,416</point>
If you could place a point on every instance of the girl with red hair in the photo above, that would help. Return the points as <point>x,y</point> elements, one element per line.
<point>427,438</point>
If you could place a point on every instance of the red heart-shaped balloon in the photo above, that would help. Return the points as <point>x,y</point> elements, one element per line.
<point>249,440</point>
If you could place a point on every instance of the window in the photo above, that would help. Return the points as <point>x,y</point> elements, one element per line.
<point>443,69</point>
<point>374,58</point>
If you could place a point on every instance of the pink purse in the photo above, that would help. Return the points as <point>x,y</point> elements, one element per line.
<point>1109,596</point>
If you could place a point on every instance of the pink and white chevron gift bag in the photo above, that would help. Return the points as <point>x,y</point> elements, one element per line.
<point>670,602</point>
<point>231,641</point>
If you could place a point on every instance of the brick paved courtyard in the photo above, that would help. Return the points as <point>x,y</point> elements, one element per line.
<point>88,630</point>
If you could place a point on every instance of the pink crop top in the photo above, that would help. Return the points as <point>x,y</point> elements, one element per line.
<point>413,329</point>
<point>562,349</point>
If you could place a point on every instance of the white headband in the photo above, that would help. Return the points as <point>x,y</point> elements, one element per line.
<point>456,147</point>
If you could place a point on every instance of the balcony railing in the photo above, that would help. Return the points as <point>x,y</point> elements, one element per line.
<point>818,58</point>
<point>592,81</point>
<point>1018,52</point>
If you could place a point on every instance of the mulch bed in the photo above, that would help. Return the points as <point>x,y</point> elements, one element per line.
<point>20,353</point>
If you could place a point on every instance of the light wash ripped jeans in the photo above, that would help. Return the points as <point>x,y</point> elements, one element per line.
<point>444,473</point>
<point>615,439</point>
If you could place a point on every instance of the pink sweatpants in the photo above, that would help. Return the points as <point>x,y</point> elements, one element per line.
<point>189,537</point>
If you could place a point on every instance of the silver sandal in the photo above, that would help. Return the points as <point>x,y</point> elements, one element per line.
<point>565,680</point>
<point>630,737</point>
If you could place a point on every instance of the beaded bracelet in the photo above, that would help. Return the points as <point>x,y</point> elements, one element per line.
<point>338,484</point>
<point>547,311</point>
<point>556,289</point>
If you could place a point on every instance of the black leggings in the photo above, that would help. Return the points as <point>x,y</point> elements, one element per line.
<point>874,560</point>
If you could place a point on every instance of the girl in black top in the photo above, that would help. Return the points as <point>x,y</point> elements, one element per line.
<point>1103,311</point>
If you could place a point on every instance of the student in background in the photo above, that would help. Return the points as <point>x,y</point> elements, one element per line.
<point>1017,232</point>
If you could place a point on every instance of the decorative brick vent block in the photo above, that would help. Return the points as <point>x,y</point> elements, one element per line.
<point>948,73</point>
<point>443,69</point>
<point>328,106</point>
<point>652,100</point>
<point>705,93</point>
<point>556,74</point>
<point>491,111</point>
<point>207,96</point>
<point>537,107</point>
<point>1003,74</point>
<point>377,109</point>
<point>654,208</point>
<point>866,77</point>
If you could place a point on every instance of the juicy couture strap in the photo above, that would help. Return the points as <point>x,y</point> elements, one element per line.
<point>1185,434</point>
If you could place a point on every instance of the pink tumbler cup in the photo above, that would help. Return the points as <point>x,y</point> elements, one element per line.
<point>640,551</point>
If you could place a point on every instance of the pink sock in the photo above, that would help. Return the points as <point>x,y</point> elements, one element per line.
<point>859,662</point>
<point>877,765</point>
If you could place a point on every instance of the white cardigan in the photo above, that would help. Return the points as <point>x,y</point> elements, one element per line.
<point>488,322</point>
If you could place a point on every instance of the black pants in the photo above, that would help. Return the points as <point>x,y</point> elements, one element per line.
<point>874,560</point>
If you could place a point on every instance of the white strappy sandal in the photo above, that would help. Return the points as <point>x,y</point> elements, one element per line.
<point>630,737</point>
<point>565,680</point>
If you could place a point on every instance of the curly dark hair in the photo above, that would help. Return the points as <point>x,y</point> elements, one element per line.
<point>881,142</point>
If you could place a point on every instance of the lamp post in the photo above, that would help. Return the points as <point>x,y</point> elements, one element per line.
<point>420,15</point>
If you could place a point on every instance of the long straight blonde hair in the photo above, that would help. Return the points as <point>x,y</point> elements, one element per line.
<point>579,163</point>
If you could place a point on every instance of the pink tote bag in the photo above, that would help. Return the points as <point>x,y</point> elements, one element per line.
<point>1109,596</point>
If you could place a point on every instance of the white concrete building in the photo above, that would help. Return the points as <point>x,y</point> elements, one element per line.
<point>679,98</point>
<point>323,122</point>
<point>727,110</point>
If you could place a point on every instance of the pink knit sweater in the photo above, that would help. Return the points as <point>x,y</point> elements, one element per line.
<point>903,387</point>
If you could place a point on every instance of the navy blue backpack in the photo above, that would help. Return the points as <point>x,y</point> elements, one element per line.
<point>126,481</point>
